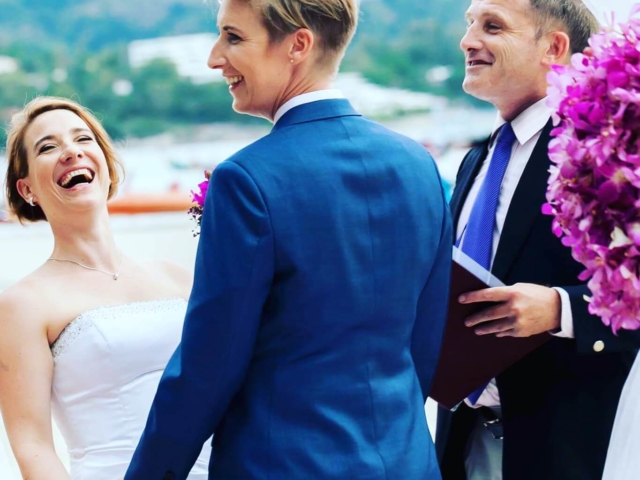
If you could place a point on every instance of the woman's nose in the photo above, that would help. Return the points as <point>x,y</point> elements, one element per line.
<point>216,59</point>
<point>72,152</point>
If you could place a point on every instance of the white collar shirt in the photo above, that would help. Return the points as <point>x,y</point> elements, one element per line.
<point>329,94</point>
<point>527,128</point>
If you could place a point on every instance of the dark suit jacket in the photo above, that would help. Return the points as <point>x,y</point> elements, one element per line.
<point>316,317</point>
<point>559,402</point>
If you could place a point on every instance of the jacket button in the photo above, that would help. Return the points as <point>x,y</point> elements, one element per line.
<point>598,346</point>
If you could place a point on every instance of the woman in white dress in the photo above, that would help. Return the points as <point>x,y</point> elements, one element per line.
<point>623,456</point>
<point>87,335</point>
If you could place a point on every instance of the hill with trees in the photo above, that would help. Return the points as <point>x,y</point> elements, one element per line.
<point>75,48</point>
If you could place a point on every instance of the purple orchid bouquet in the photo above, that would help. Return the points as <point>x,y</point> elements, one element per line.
<point>198,198</point>
<point>594,184</point>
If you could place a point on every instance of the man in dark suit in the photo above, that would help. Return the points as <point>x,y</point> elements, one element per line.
<point>549,416</point>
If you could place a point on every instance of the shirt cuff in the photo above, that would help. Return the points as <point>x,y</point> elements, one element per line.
<point>566,317</point>
<point>490,396</point>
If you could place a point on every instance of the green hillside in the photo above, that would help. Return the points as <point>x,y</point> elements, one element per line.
<point>398,42</point>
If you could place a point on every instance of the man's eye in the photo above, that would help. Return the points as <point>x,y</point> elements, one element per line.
<point>493,26</point>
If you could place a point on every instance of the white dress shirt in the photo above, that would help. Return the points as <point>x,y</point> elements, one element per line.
<point>527,128</point>
<point>328,94</point>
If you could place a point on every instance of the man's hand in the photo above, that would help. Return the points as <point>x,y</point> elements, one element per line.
<point>522,310</point>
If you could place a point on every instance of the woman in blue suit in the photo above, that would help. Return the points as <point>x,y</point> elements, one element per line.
<point>316,316</point>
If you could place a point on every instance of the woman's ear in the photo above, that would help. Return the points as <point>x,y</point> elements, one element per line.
<point>24,189</point>
<point>559,49</point>
<point>302,42</point>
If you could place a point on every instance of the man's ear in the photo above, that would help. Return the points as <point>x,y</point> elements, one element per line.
<point>559,49</point>
<point>302,42</point>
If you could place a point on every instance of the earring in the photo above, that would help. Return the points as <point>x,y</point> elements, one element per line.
<point>31,202</point>
<point>291,60</point>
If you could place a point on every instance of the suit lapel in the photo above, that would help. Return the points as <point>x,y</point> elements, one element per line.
<point>468,172</point>
<point>525,206</point>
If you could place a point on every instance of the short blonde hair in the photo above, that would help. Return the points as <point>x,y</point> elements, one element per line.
<point>18,166</point>
<point>333,21</point>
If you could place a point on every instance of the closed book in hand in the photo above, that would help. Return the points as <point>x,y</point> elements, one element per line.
<point>469,361</point>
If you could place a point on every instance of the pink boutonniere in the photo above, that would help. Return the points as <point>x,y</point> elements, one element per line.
<point>198,197</point>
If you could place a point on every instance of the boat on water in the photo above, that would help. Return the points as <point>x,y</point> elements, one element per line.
<point>134,203</point>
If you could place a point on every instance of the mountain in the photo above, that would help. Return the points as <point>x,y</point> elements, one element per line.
<point>95,25</point>
<point>77,49</point>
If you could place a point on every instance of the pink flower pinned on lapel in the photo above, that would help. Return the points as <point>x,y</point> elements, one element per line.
<point>198,199</point>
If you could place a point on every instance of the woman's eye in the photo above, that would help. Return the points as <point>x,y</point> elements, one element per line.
<point>233,38</point>
<point>46,148</point>
<point>85,138</point>
<point>492,26</point>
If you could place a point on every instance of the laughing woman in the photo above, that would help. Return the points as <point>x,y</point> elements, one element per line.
<point>87,334</point>
<point>315,321</point>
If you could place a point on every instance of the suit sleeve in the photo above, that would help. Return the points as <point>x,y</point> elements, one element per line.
<point>589,329</point>
<point>432,309</point>
<point>233,274</point>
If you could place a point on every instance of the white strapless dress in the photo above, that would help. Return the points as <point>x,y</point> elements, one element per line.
<point>623,457</point>
<point>107,366</point>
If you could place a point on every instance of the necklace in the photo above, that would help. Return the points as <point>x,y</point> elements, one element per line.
<point>114,275</point>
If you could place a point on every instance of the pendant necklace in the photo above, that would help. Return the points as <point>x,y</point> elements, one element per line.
<point>114,275</point>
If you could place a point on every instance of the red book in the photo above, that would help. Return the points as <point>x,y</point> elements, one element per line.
<point>469,361</point>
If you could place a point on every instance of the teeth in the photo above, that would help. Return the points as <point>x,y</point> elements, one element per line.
<point>64,181</point>
<point>234,80</point>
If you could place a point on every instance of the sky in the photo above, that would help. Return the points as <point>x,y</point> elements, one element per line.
<point>602,9</point>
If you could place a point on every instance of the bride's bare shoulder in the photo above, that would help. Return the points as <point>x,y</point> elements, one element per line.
<point>170,274</point>
<point>27,299</point>
<point>175,271</point>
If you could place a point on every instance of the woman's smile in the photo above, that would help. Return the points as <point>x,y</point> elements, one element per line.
<point>234,82</point>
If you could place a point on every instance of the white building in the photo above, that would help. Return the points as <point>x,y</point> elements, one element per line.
<point>375,100</point>
<point>189,53</point>
<point>8,65</point>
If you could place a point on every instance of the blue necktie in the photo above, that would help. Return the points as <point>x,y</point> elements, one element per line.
<point>478,235</point>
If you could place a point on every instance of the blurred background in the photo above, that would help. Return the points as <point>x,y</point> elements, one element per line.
<point>141,67</point>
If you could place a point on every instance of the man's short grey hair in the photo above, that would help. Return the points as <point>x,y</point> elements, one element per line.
<point>571,16</point>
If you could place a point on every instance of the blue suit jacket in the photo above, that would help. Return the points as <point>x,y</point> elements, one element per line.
<point>316,316</point>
